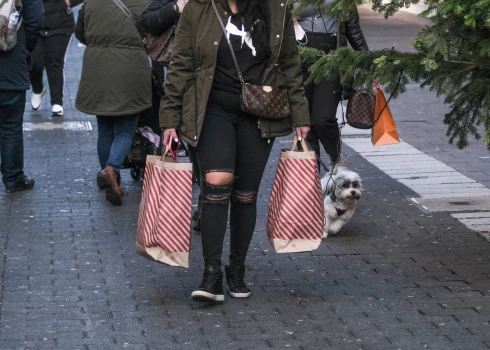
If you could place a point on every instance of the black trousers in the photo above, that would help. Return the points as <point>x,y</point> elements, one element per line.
<point>50,53</point>
<point>323,99</point>
<point>230,142</point>
<point>12,105</point>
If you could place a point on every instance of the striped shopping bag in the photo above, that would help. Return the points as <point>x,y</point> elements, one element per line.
<point>295,220</point>
<point>164,224</point>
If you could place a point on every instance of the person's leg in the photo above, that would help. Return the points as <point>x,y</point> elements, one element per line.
<point>36,75</point>
<point>55,49</point>
<point>252,155</point>
<point>12,106</point>
<point>37,68</point>
<point>197,179</point>
<point>105,126</point>
<point>325,100</point>
<point>312,137</point>
<point>216,154</point>
<point>124,130</point>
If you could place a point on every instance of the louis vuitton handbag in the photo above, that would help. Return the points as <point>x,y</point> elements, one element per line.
<point>159,47</point>
<point>365,107</point>
<point>360,109</point>
<point>262,101</point>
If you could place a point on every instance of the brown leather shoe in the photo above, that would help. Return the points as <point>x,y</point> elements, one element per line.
<point>107,180</point>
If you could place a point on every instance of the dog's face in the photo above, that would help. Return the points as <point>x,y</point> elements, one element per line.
<point>345,185</point>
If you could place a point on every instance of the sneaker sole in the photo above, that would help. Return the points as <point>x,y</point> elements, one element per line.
<point>57,114</point>
<point>239,295</point>
<point>205,297</point>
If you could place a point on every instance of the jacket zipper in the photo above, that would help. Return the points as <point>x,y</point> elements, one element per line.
<point>197,104</point>
<point>280,44</point>
<point>277,58</point>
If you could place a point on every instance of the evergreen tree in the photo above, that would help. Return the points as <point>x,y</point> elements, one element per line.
<point>452,58</point>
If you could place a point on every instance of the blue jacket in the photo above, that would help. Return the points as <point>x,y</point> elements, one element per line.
<point>15,64</point>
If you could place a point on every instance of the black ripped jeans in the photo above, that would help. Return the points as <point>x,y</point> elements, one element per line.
<point>230,142</point>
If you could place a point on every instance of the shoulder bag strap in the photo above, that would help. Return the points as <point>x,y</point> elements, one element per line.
<point>240,76</point>
<point>130,15</point>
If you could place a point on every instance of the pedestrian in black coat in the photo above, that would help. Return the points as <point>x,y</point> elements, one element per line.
<point>14,81</point>
<point>324,32</point>
<point>50,52</point>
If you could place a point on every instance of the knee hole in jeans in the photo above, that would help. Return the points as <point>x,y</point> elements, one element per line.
<point>217,187</point>
<point>243,198</point>
<point>219,177</point>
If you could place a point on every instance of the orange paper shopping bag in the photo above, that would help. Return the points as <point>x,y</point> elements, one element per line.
<point>384,130</point>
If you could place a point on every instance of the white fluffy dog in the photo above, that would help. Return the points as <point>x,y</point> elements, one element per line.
<point>342,189</point>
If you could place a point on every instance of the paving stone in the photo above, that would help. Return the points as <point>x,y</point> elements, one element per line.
<point>396,278</point>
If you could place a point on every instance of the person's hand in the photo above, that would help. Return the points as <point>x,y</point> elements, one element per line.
<point>181,4</point>
<point>296,18</point>
<point>302,132</point>
<point>168,135</point>
<point>68,3</point>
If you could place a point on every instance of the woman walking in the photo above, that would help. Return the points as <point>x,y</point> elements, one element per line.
<point>50,52</point>
<point>324,32</point>
<point>115,84</point>
<point>202,104</point>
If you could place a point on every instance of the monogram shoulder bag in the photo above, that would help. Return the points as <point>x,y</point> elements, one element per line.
<point>262,101</point>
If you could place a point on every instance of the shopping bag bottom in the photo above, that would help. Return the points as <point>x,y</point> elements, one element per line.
<point>294,245</point>
<point>159,255</point>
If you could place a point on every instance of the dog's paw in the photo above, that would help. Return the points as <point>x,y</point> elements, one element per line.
<point>333,232</point>
<point>325,234</point>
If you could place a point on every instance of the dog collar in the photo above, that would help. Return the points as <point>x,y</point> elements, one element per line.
<point>340,212</point>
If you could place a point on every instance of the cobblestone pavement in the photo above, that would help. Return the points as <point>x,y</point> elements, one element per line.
<point>397,278</point>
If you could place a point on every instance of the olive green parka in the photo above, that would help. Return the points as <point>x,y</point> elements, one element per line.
<point>116,75</point>
<point>193,62</point>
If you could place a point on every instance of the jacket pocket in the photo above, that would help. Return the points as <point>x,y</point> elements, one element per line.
<point>189,103</point>
<point>281,81</point>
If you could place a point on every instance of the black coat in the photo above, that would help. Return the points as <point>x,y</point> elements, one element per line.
<point>159,16</point>
<point>353,32</point>
<point>58,18</point>
<point>14,65</point>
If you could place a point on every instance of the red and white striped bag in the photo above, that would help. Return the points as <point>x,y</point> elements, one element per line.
<point>296,214</point>
<point>164,224</point>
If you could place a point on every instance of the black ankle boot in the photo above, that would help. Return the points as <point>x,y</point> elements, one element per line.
<point>211,288</point>
<point>235,280</point>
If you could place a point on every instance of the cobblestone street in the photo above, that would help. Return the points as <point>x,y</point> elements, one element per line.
<point>397,278</point>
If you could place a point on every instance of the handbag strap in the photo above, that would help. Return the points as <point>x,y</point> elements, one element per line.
<point>240,75</point>
<point>130,15</point>
<point>391,95</point>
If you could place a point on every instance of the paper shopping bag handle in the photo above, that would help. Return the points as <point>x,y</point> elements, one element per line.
<point>169,149</point>
<point>303,144</point>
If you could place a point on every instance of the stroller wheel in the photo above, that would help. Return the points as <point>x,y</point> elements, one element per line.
<point>136,173</point>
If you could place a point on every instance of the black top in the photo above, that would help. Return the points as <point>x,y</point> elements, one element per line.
<point>58,18</point>
<point>159,16</point>
<point>251,58</point>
